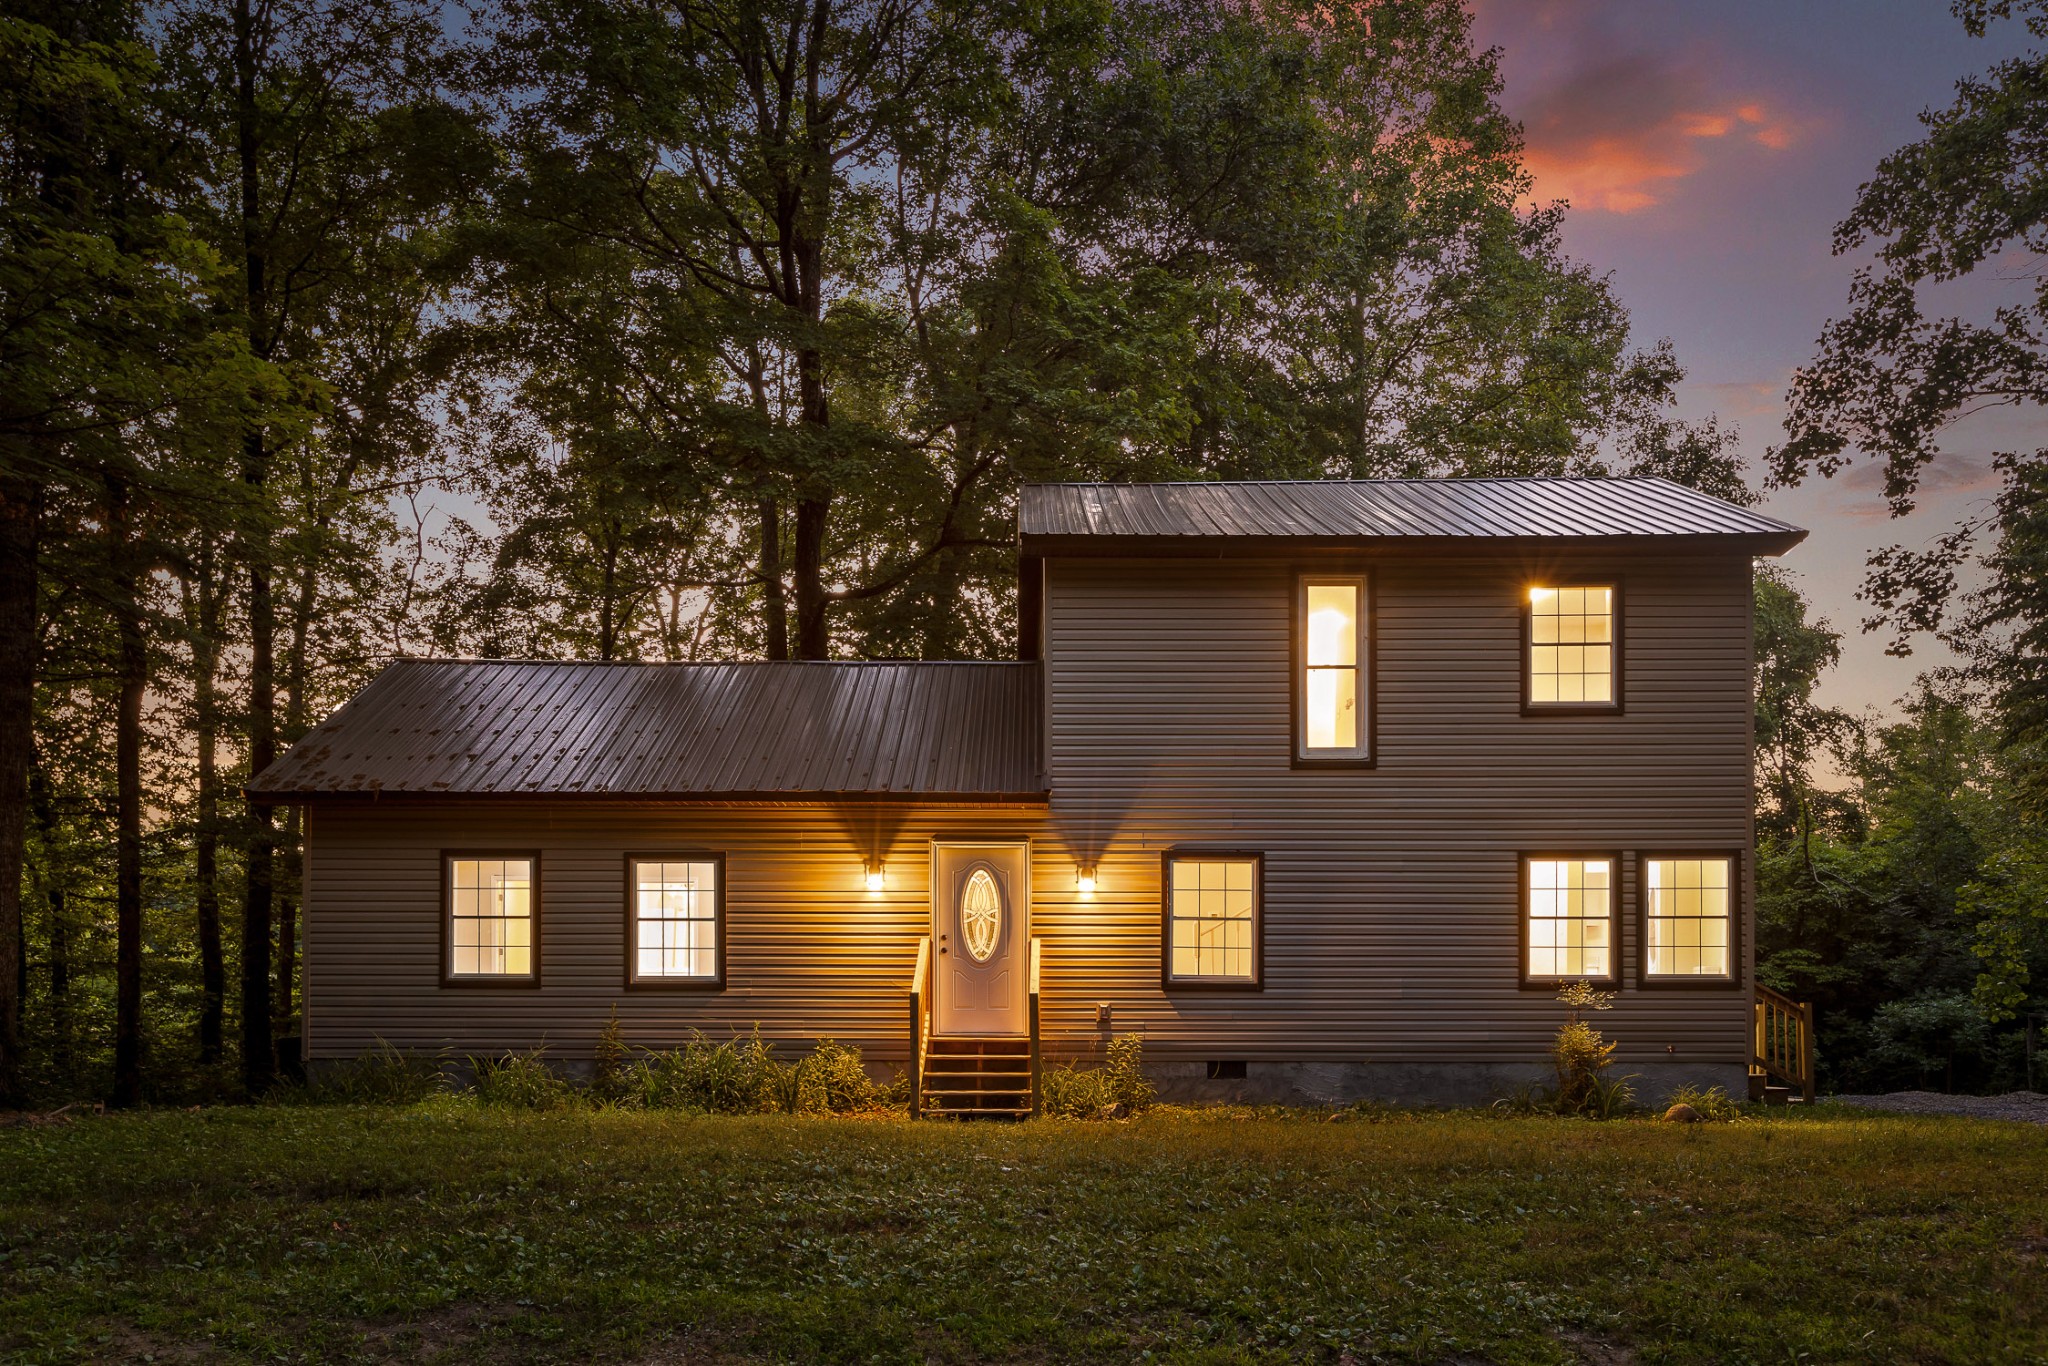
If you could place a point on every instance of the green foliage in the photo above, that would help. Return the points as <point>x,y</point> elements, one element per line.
<point>1116,1090</point>
<point>344,1233</point>
<point>742,1076</point>
<point>521,1081</point>
<point>383,1076</point>
<point>1580,1056</point>
<point>1712,1104</point>
<point>609,1060</point>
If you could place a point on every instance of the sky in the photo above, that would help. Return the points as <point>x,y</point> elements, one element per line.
<point>1707,151</point>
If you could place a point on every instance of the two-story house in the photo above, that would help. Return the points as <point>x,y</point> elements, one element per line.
<point>1321,787</point>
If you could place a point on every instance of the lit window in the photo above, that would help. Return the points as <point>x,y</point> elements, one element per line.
<point>1570,910</point>
<point>1212,910</point>
<point>490,918</point>
<point>1687,917</point>
<point>1571,647</point>
<point>675,920</point>
<point>1332,699</point>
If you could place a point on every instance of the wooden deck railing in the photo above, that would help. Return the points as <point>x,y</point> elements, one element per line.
<point>1036,1102</point>
<point>920,1022</point>
<point>1784,1040</point>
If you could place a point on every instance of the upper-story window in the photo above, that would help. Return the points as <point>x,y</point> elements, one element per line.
<point>1331,701</point>
<point>1574,648</point>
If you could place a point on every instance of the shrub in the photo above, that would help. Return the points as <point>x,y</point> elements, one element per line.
<point>1711,1104</point>
<point>383,1076</point>
<point>735,1077</point>
<point>609,1061</point>
<point>521,1081</point>
<point>1115,1090</point>
<point>839,1080</point>
<point>1579,1053</point>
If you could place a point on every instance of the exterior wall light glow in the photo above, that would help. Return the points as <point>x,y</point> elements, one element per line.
<point>874,877</point>
<point>1084,878</point>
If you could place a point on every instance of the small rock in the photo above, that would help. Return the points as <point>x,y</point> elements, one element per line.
<point>1681,1114</point>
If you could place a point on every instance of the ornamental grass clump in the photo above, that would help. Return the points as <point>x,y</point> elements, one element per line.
<point>521,1081</point>
<point>383,1076</point>
<point>1116,1090</point>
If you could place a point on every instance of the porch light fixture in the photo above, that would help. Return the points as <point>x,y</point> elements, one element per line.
<point>874,876</point>
<point>1084,878</point>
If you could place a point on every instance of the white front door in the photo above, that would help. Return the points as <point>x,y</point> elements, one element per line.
<point>981,937</point>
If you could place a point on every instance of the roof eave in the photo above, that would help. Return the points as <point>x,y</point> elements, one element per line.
<point>363,796</point>
<point>1760,543</point>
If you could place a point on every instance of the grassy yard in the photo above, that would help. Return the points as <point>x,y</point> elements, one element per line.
<point>445,1231</point>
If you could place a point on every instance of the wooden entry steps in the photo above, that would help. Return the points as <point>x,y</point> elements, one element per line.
<point>977,1078</point>
<point>970,1078</point>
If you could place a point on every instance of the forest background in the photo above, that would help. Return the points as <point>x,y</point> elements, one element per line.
<point>730,329</point>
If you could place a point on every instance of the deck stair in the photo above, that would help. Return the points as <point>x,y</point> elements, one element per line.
<point>977,1078</point>
<point>1781,1060</point>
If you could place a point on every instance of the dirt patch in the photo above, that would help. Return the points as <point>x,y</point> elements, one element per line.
<point>1597,1351</point>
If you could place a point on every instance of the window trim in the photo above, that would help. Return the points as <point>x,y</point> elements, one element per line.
<point>1615,884</point>
<point>1617,707</point>
<point>1737,903</point>
<point>632,980</point>
<point>1192,852</point>
<point>1367,755</point>
<point>449,979</point>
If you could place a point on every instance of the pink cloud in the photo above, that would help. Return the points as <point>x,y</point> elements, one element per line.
<point>1615,129</point>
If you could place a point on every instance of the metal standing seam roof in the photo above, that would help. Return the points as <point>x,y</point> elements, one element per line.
<point>759,731</point>
<point>1636,509</point>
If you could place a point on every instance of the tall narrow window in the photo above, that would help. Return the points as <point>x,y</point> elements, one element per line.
<point>1689,918</point>
<point>1574,653</point>
<point>676,916</point>
<point>1331,693</point>
<point>1212,919</point>
<point>1568,918</point>
<point>490,918</point>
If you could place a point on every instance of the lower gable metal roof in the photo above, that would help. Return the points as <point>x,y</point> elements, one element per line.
<point>788,731</point>
<point>1099,519</point>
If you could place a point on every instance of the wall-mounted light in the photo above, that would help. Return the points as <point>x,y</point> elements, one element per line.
<point>874,876</point>
<point>1084,878</point>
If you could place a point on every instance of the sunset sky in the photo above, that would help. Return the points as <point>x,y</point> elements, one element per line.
<point>1707,151</point>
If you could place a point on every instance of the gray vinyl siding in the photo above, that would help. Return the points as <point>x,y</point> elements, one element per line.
<point>1392,909</point>
<point>1391,919</point>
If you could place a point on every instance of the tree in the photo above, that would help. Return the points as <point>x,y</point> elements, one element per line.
<point>1889,381</point>
<point>849,274</point>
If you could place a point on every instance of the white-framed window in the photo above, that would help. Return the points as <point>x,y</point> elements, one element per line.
<point>1574,648</point>
<point>1331,693</point>
<point>1212,918</point>
<point>1689,917</point>
<point>676,919</point>
<point>1568,917</point>
<point>492,918</point>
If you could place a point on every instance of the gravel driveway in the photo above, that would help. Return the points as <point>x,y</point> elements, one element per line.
<point>2030,1107</point>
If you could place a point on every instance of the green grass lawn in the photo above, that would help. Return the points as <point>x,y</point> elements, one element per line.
<point>445,1231</point>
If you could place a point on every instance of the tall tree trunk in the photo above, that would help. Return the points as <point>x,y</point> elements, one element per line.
<point>20,526</point>
<point>297,662</point>
<point>813,631</point>
<point>60,924</point>
<point>775,599</point>
<point>213,985</point>
<point>259,1063</point>
<point>133,676</point>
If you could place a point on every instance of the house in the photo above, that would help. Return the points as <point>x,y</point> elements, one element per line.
<point>1322,788</point>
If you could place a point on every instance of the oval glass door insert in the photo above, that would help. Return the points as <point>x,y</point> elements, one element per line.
<point>981,915</point>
